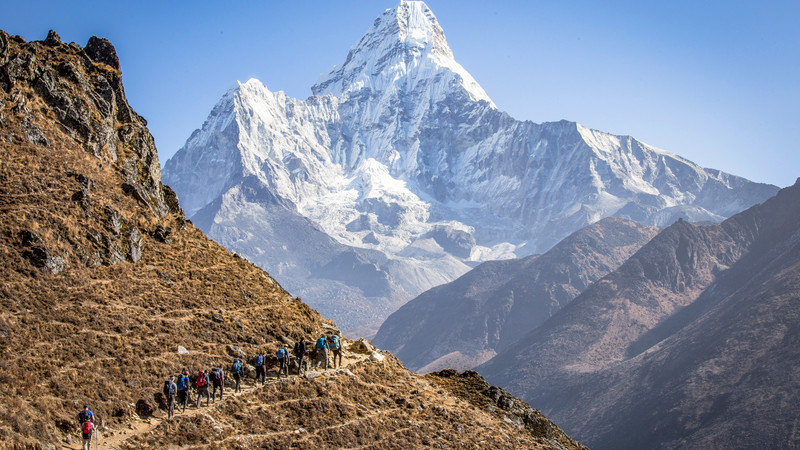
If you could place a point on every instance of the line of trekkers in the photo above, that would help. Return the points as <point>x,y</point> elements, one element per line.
<point>215,378</point>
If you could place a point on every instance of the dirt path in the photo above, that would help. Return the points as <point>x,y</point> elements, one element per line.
<point>114,438</point>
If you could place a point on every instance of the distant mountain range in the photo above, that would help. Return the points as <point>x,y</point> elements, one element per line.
<point>400,174</point>
<point>691,343</point>
<point>467,321</point>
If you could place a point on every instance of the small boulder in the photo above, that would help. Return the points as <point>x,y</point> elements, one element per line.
<point>236,352</point>
<point>144,409</point>
<point>217,318</point>
<point>362,346</point>
<point>289,343</point>
<point>182,350</point>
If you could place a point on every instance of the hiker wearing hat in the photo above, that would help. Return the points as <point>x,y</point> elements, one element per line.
<point>183,388</point>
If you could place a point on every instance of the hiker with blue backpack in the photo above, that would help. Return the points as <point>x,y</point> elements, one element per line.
<point>322,352</point>
<point>183,388</point>
<point>261,374</point>
<point>237,372</point>
<point>283,360</point>
<point>336,349</point>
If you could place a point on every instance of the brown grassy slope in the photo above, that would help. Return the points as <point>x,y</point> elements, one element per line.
<point>103,278</point>
<point>376,405</point>
<point>97,327</point>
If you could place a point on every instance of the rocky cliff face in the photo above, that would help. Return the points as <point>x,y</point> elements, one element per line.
<point>107,289</point>
<point>466,322</point>
<point>401,152</point>
<point>686,344</point>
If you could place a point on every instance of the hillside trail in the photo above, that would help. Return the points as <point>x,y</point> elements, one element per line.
<point>113,439</point>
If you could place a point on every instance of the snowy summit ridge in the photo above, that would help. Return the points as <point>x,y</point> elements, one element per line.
<point>399,174</point>
<point>404,48</point>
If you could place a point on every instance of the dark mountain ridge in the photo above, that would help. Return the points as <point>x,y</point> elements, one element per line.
<point>466,322</point>
<point>688,344</point>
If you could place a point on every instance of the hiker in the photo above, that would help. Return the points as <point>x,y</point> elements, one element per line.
<point>283,360</point>
<point>299,350</point>
<point>336,348</point>
<point>258,361</point>
<point>236,371</point>
<point>202,387</point>
<point>86,415</point>
<point>170,389</point>
<point>183,388</point>
<point>87,432</point>
<point>218,382</point>
<point>86,420</point>
<point>322,352</point>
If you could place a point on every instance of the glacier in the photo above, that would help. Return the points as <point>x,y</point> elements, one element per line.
<point>399,173</point>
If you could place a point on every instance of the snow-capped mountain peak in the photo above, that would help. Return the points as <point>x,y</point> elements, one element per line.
<point>404,49</point>
<point>400,173</point>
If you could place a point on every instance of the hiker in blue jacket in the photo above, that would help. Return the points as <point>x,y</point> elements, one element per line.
<point>322,352</point>
<point>183,389</point>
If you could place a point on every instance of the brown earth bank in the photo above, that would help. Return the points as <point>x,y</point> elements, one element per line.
<point>104,280</point>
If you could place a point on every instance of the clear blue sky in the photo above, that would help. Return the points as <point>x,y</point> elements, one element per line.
<point>717,82</point>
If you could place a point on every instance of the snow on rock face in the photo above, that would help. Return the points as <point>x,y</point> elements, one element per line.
<point>400,152</point>
<point>405,49</point>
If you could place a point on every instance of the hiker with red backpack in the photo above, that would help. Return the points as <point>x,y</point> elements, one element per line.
<point>202,387</point>
<point>86,419</point>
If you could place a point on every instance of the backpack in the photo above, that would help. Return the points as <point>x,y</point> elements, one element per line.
<point>87,427</point>
<point>296,349</point>
<point>167,389</point>
<point>236,368</point>
<point>85,416</point>
<point>335,342</point>
<point>260,360</point>
<point>202,380</point>
<point>321,343</point>
<point>214,375</point>
<point>281,353</point>
<point>183,380</point>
